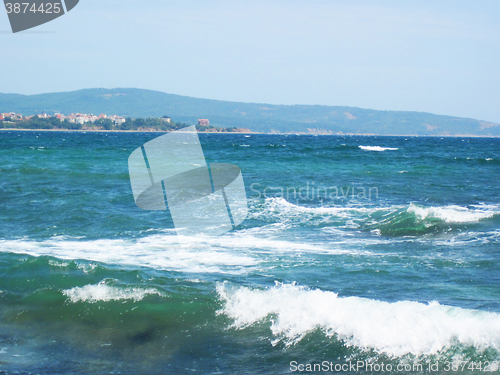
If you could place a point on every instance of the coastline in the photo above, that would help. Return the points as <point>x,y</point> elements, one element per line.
<point>259,133</point>
<point>116,131</point>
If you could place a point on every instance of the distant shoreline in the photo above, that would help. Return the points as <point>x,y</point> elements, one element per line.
<point>257,133</point>
<point>260,117</point>
<point>118,131</point>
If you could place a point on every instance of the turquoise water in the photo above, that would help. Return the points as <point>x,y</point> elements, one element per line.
<point>378,249</point>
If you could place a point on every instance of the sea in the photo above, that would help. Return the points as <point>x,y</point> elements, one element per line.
<point>359,254</point>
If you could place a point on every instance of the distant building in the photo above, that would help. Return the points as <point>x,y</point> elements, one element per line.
<point>1,117</point>
<point>165,119</point>
<point>118,120</point>
<point>12,115</point>
<point>203,122</point>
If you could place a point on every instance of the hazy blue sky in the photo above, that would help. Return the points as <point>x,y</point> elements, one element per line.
<point>435,56</point>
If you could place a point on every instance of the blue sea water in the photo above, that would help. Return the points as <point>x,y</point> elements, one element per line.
<point>373,250</point>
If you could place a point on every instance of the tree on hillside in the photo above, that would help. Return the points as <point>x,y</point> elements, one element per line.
<point>105,123</point>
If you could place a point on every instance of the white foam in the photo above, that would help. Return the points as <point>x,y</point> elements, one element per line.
<point>164,252</point>
<point>281,204</point>
<point>240,252</point>
<point>267,245</point>
<point>289,213</point>
<point>452,214</point>
<point>104,292</point>
<point>469,237</point>
<point>395,329</point>
<point>377,148</point>
<point>56,263</point>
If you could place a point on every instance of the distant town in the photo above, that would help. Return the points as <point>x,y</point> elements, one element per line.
<point>102,122</point>
<point>78,118</point>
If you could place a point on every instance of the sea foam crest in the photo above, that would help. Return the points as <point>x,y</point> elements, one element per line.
<point>395,329</point>
<point>104,292</point>
<point>451,214</point>
<point>448,214</point>
<point>377,148</point>
<point>281,204</point>
<point>165,252</point>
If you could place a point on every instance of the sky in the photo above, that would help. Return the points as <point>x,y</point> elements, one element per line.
<point>441,56</point>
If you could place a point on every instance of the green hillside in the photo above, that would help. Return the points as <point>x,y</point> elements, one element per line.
<point>257,117</point>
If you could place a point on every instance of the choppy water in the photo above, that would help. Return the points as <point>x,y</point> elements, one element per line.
<point>378,249</point>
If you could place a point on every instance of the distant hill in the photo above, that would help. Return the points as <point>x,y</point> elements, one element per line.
<point>257,117</point>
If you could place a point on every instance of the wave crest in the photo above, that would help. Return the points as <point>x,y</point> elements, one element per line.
<point>393,220</point>
<point>377,148</point>
<point>395,329</point>
<point>104,292</point>
<point>450,214</point>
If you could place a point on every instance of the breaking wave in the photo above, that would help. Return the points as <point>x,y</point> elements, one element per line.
<point>403,220</point>
<point>104,292</point>
<point>395,329</point>
<point>377,148</point>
